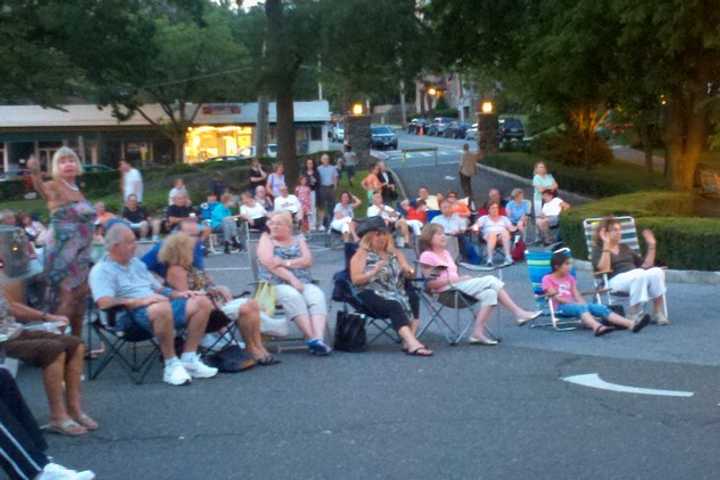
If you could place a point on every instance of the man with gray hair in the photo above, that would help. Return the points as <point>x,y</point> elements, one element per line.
<point>121,279</point>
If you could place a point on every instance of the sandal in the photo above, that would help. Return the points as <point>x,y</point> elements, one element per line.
<point>267,360</point>
<point>84,420</point>
<point>418,352</point>
<point>602,330</point>
<point>68,427</point>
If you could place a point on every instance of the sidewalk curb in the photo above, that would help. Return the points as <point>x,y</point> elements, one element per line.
<point>672,276</point>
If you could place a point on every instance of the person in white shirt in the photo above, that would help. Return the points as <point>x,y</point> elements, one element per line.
<point>551,209</point>
<point>452,223</point>
<point>132,183</point>
<point>289,203</point>
<point>253,212</point>
<point>178,188</point>
<point>390,215</point>
<point>494,227</point>
<point>343,214</point>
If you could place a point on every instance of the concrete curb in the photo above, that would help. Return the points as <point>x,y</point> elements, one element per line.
<point>672,276</point>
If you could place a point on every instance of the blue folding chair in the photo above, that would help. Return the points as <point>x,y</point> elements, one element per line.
<point>538,262</point>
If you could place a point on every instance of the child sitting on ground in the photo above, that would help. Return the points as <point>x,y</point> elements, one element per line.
<point>561,286</point>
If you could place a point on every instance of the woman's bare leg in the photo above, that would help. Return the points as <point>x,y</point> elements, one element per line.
<point>481,320</point>
<point>507,302</point>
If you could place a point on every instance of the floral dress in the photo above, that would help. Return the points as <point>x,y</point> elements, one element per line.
<point>389,282</point>
<point>67,252</point>
<point>304,195</point>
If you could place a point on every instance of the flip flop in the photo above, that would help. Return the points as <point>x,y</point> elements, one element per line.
<point>602,330</point>
<point>87,422</point>
<point>267,361</point>
<point>522,321</point>
<point>68,428</point>
<point>416,352</point>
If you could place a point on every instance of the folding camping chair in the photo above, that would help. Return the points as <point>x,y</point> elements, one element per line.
<point>345,292</point>
<point>538,262</point>
<point>629,237</point>
<point>124,345</point>
<point>452,299</point>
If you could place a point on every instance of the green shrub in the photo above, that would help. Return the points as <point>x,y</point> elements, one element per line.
<point>12,190</point>
<point>684,241</point>
<point>615,178</point>
<point>570,148</point>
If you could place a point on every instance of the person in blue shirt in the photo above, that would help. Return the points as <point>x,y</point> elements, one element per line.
<point>151,261</point>
<point>518,210</point>
<point>222,220</point>
<point>206,209</point>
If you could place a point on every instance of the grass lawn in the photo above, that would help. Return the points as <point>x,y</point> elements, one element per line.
<point>604,180</point>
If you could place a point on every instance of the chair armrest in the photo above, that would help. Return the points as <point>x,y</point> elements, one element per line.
<point>600,273</point>
<point>594,292</point>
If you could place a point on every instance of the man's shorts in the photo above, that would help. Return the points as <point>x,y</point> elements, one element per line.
<point>140,315</point>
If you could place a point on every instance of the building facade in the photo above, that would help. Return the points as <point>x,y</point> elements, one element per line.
<point>99,138</point>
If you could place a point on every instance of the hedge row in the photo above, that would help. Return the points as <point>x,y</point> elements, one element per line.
<point>615,178</point>
<point>684,242</point>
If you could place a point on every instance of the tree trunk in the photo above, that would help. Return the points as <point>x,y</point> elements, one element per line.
<point>287,149</point>
<point>646,141</point>
<point>261,127</point>
<point>178,141</point>
<point>403,106</point>
<point>686,137</point>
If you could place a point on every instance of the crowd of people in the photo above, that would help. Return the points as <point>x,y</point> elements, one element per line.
<point>168,289</point>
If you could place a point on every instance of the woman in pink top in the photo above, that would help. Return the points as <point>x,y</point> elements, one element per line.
<point>494,227</point>
<point>438,264</point>
<point>561,287</point>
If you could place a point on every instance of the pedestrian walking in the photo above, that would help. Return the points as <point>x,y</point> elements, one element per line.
<point>468,169</point>
<point>326,194</point>
<point>132,182</point>
<point>349,163</point>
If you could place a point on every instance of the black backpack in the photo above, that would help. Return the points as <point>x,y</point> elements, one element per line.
<point>350,335</point>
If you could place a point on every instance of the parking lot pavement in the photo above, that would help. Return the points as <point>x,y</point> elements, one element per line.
<point>468,412</point>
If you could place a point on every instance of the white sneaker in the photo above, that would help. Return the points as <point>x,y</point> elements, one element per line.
<point>175,374</point>
<point>197,369</point>
<point>53,471</point>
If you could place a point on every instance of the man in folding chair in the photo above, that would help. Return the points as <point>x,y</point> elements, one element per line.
<point>122,280</point>
<point>628,271</point>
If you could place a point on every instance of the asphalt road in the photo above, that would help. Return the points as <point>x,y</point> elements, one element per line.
<point>467,413</point>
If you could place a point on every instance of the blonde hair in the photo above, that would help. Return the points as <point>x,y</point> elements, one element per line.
<point>61,153</point>
<point>427,234</point>
<point>366,242</point>
<point>177,249</point>
<point>537,164</point>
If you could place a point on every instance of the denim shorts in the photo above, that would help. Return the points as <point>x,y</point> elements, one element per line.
<point>577,309</point>
<point>140,315</point>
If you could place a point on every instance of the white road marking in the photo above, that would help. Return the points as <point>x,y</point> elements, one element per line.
<point>425,154</point>
<point>593,380</point>
<point>448,177</point>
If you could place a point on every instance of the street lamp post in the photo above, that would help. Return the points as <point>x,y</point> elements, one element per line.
<point>487,127</point>
<point>357,132</point>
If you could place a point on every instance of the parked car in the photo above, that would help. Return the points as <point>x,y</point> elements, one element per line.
<point>417,123</point>
<point>90,168</point>
<point>249,152</point>
<point>382,138</point>
<point>456,130</point>
<point>472,132</point>
<point>510,128</point>
<point>226,158</point>
<point>438,126</point>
